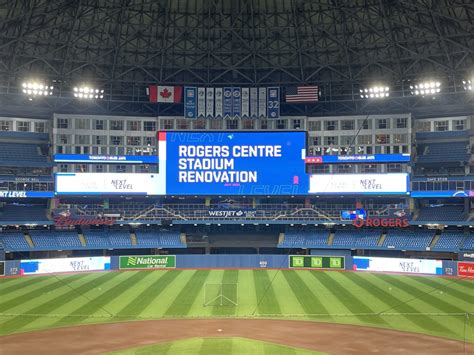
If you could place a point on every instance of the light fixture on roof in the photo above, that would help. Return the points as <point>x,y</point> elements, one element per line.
<point>467,85</point>
<point>375,92</point>
<point>88,92</point>
<point>36,88</point>
<point>427,88</point>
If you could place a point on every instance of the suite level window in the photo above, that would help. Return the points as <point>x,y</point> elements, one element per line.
<point>63,123</point>
<point>99,125</point>
<point>382,123</point>
<point>133,141</point>
<point>40,127</point>
<point>401,122</point>
<point>458,125</point>
<point>82,123</point>
<point>441,126</point>
<point>149,126</point>
<point>116,140</point>
<point>23,126</point>
<point>167,124</point>
<point>116,125</point>
<point>134,126</point>
<point>330,125</point>
<point>348,125</point>
<point>314,125</point>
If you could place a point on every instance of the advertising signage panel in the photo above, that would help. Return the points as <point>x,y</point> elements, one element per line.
<point>363,158</point>
<point>409,266</point>
<point>235,163</point>
<point>106,159</point>
<point>147,262</point>
<point>316,262</point>
<point>360,184</point>
<point>47,266</point>
<point>466,269</point>
<point>110,184</point>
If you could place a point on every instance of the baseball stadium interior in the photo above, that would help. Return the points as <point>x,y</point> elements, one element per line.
<point>324,136</point>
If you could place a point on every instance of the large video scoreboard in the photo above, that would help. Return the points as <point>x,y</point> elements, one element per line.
<point>230,163</point>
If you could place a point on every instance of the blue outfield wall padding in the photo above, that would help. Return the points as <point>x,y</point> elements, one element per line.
<point>450,268</point>
<point>12,267</point>
<point>114,262</point>
<point>231,261</point>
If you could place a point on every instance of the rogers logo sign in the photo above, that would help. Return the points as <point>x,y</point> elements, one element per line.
<point>381,222</point>
<point>465,269</point>
<point>67,221</point>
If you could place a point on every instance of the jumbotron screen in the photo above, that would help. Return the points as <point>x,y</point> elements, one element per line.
<point>230,163</point>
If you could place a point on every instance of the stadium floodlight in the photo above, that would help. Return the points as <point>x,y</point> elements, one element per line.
<point>375,92</point>
<point>426,88</point>
<point>467,85</point>
<point>36,88</point>
<point>87,92</point>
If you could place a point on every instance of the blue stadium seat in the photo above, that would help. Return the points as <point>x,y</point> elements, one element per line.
<point>23,213</point>
<point>305,239</point>
<point>14,241</point>
<point>468,244</point>
<point>159,239</point>
<point>21,154</point>
<point>408,239</point>
<point>449,241</point>
<point>441,213</point>
<point>443,152</point>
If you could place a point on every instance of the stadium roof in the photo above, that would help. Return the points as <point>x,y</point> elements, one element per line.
<point>340,45</point>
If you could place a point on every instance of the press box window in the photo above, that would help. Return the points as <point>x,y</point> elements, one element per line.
<point>6,125</point>
<point>23,126</point>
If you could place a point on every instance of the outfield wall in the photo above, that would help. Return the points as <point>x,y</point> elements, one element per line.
<point>327,260</point>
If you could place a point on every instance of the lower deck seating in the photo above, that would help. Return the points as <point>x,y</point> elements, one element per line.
<point>159,239</point>
<point>408,239</point>
<point>449,241</point>
<point>305,239</point>
<point>13,241</point>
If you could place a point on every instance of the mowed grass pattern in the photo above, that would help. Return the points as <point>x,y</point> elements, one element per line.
<point>432,305</point>
<point>206,346</point>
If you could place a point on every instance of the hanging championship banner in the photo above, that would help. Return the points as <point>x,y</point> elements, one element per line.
<point>253,102</point>
<point>245,102</point>
<point>210,102</point>
<point>190,102</point>
<point>219,104</point>
<point>237,102</point>
<point>201,102</point>
<point>228,103</point>
<point>262,102</point>
<point>273,103</point>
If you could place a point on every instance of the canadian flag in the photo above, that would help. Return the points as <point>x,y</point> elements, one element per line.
<point>170,94</point>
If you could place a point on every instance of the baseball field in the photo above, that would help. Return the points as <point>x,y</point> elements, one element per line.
<point>441,307</point>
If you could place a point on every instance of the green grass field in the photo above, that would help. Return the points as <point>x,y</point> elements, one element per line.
<point>231,346</point>
<point>431,305</point>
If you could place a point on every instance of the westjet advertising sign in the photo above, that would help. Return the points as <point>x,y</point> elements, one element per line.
<point>235,163</point>
<point>362,184</point>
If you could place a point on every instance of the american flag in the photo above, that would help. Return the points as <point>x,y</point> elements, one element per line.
<point>302,94</point>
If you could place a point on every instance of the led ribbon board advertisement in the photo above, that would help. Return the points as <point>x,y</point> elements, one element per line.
<point>362,184</point>
<point>235,163</point>
<point>110,184</point>
<point>46,266</point>
<point>363,158</point>
<point>410,266</point>
<point>106,159</point>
